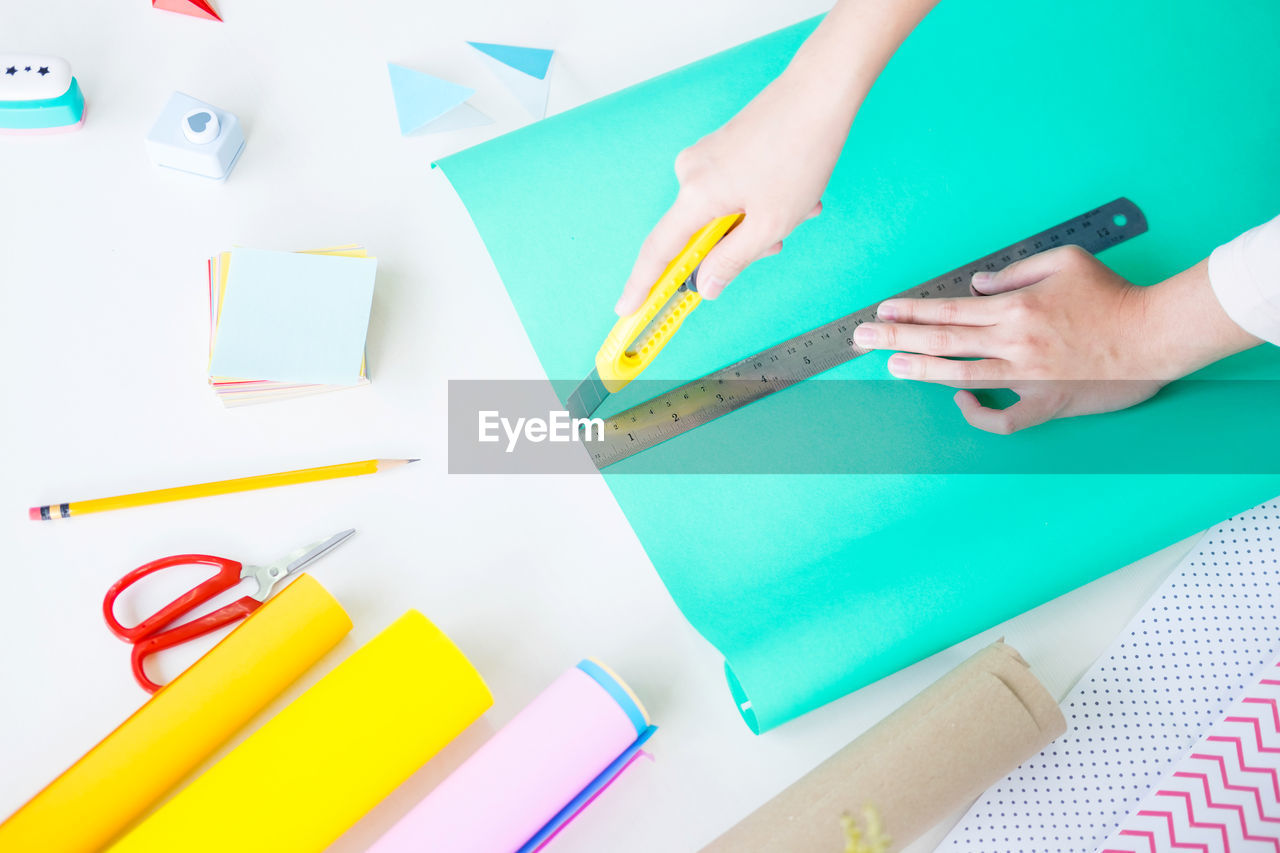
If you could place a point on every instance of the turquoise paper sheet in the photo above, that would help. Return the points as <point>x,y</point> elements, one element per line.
<point>995,120</point>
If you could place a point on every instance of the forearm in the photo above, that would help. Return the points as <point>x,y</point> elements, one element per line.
<point>1184,326</point>
<point>846,53</point>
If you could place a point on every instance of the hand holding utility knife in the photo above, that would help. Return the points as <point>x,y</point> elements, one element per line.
<point>637,338</point>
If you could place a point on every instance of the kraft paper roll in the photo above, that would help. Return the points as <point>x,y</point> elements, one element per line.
<point>530,778</point>
<point>312,771</point>
<point>924,761</point>
<point>183,724</point>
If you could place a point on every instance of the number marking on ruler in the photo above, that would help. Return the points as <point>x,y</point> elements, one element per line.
<point>726,390</point>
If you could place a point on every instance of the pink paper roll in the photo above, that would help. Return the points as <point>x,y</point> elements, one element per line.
<point>534,774</point>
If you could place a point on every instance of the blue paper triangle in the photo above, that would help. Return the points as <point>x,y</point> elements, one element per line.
<point>420,97</point>
<point>533,61</point>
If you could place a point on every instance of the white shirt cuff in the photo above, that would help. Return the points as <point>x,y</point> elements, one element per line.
<point>1245,276</point>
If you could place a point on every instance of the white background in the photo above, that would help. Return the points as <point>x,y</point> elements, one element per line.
<point>103,336</point>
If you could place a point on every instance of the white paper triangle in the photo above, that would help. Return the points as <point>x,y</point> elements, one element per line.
<point>529,91</point>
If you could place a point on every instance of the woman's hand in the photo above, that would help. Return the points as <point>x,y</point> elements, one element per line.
<point>1062,331</point>
<point>773,159</point>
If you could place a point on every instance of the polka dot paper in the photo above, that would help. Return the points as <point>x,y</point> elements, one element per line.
<point>1197,646</point>
<point>1225,795</point>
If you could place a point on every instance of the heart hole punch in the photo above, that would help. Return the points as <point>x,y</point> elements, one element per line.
<point>200,126</point>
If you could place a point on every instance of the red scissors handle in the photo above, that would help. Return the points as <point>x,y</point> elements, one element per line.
<point>149,636</point>
<point>228,576</point>
<point>148,646</point>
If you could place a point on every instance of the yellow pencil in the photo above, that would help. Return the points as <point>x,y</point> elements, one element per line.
<point>222,487</point>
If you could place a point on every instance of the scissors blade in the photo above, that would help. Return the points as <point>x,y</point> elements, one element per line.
<point>310,553</point>
<point>270,575</point>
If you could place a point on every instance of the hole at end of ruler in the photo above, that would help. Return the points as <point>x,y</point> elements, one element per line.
<point>1120,220</point>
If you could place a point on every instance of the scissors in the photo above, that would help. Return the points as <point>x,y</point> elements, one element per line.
<point>150,635</point>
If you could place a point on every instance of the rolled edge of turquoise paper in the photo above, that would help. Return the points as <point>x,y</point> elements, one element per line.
<point>741,700</point>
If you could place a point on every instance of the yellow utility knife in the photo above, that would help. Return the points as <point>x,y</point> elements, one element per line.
<point>637,338</point>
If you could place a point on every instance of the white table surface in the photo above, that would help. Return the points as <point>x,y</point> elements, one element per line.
<point>103,333</point>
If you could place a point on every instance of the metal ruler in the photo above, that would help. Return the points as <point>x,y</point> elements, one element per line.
<point>830,345</point>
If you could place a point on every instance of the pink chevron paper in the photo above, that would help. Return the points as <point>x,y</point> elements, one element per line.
<point>1224,797</point>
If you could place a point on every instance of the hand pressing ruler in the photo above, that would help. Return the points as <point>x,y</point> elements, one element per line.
<point>830,345</point>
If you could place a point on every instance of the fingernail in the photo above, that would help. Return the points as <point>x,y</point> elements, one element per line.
<point>711,287</point>
<point>981,278</point>
<point>621,308</point>
<point>865,336</point>
<point>887,311</point>
<point>899,364</point>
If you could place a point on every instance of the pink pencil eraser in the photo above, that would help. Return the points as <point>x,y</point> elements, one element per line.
<point>34,513</point>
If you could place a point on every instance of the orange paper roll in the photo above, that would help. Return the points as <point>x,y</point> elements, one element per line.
<point>100,795</point>
<point>306,776</point>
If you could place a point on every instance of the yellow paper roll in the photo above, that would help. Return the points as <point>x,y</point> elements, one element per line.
<point>301,780</point>
<point>97,798</point>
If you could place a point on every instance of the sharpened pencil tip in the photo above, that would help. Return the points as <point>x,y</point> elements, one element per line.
<point>393,463</point>
<point>414,460</point>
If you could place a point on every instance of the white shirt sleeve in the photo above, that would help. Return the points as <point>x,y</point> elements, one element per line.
<point>1245,275</point>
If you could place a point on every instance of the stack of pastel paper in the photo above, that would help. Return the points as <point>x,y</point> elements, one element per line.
<point>288,324</point>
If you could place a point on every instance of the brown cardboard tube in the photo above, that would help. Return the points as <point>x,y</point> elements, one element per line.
<point>924,761</point>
